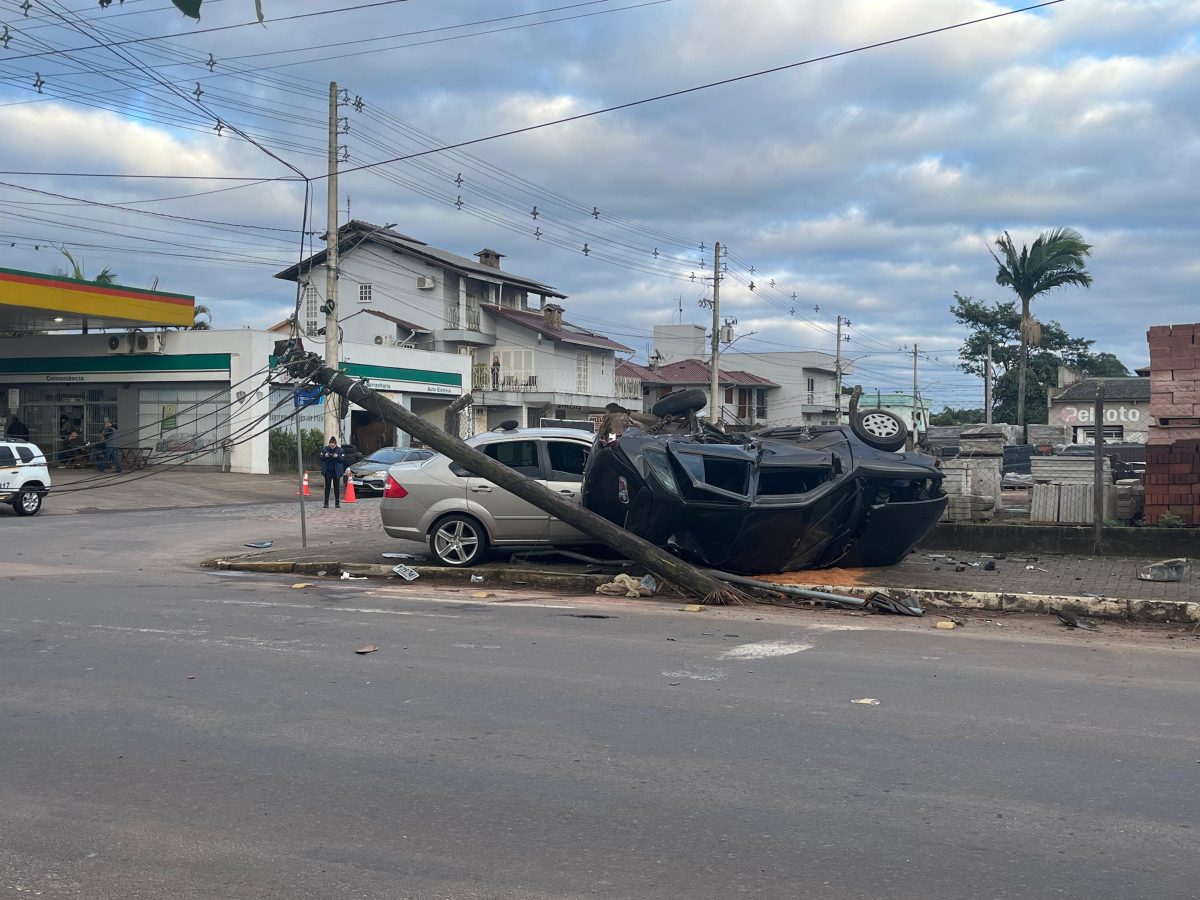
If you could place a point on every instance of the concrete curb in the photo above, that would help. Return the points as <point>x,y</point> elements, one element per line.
<point>494,576</point>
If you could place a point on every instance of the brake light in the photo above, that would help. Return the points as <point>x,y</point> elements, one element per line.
<point>394,490</point>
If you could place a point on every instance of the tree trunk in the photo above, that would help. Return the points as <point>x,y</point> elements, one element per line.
<point>1024,360</point>
<point>689,579</point>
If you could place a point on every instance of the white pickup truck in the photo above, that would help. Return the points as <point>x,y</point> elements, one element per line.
<point>24,478</point>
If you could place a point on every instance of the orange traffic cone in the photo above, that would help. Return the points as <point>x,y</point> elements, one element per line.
<point>306,494</point>
<point>348,497</point>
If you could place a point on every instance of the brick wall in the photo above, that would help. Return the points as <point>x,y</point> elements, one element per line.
<point>1173,445</point>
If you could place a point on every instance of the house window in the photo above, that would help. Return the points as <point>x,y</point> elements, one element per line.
<point>364,293</point>
<point>729,395</point>
<point>760,403</point>
<point>312,311</point>
<point>583,372</point>
<point>812,392</point>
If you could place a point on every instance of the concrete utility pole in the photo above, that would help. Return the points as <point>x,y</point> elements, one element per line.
<point>1098,473</point>
<point>837,372</point>
<point>914,412</point>
<point>332,422</point>
<point>689,579</point>
<point>987,388</point>
<point>714,402</point>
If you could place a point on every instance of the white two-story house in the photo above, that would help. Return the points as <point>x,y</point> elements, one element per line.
<point>527,362</point>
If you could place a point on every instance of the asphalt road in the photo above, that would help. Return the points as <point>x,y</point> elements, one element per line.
<point>172,733</point>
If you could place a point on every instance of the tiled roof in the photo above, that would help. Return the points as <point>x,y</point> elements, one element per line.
<point>1128,389</point>
<point>627,369</point>
<point>694,371</point>
<point>568,334</point>
<point>354,233</point>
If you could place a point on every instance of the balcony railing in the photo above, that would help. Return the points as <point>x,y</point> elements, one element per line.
<point>454,318</point>
<point>487,378</point>
<point>627,388</point>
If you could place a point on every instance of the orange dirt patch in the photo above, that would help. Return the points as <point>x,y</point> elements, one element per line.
<point>843,577</point>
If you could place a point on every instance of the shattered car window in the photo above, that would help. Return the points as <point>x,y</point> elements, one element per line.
<point>780,481</point>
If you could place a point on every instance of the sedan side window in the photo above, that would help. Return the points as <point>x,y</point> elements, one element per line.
<point>521,456</point>
<point>6,457</point>
<point>567,460</point>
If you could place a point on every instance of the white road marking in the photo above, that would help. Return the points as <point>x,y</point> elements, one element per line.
<point>307,608</point>
<point>831,626</point>
<point>765,649</point>
<point>699,674</point>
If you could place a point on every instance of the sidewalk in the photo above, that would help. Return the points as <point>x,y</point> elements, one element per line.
<point>86,490</point>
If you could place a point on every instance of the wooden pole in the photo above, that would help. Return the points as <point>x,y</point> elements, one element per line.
<point>687,578</point>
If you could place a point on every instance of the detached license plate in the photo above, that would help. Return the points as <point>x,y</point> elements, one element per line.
<point>406,572</point>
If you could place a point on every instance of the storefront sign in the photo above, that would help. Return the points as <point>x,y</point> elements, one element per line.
<point>14,400</point>
<point>1083,415</point>
<point>168,417</point>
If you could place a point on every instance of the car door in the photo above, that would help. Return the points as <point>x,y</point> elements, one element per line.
<point>516,520</point>
<point>564,461</point>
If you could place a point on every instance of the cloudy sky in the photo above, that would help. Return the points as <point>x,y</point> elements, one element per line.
<point>866,185</point>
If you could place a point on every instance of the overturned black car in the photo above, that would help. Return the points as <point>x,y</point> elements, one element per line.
<point>777,500</point>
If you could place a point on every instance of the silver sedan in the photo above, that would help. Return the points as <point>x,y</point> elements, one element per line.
<point>461,515</point>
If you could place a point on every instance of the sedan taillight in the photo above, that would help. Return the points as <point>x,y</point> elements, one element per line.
<point>394,490</point>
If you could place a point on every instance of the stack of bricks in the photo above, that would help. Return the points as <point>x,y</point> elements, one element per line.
<point>1173,445</point>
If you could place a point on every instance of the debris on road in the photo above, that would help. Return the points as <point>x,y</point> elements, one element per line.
<point>990,566</point>
<point>406,572</point>
<point>346,576</point>
<point>1166,570</point>
<point>694,607</point>
<point>866,701</point>
<point>625,586</point>
<point>903,605</point>
<point>260,545</point>
<point>394,555</point>
<point>365,649</point>
<point>945,626</point>
<point>299,585</point>
<point>1071,620</point>
<point>476,579</point>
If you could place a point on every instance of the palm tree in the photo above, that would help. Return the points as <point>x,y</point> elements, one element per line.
<point>1055,259</point>
<point>203,318</point>
<point>106,276</point>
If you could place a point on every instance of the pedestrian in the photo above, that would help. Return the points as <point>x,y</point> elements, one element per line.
<point>17,430</point>
<point>495,373</point>
<point>333,464</point>
<point>109,453</point>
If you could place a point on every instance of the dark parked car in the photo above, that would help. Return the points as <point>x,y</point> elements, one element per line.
<point>780,500</point>
<point>370,472</point>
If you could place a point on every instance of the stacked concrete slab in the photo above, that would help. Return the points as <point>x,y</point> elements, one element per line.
<point>1173,445</point>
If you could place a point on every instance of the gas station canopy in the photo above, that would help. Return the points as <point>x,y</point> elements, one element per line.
<point>30,301</point>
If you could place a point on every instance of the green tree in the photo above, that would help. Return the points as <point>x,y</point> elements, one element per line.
<point>949,416</point>
<point>106,276</point>
<point>999,324</point>
<point>1055,259</point>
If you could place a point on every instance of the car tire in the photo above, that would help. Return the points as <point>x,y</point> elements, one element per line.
<point>458,541</point>
<point>680,403</point>
<point>28,502</point>
<point>879,428</point>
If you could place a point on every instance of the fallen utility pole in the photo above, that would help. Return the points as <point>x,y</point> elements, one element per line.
<point>687,578</point>
<point>453,415</point>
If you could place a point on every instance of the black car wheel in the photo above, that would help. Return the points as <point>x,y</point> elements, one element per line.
<point>680,403</point>
<point>458,541</point>
<point>880,428</point>
<point>28,503</point>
